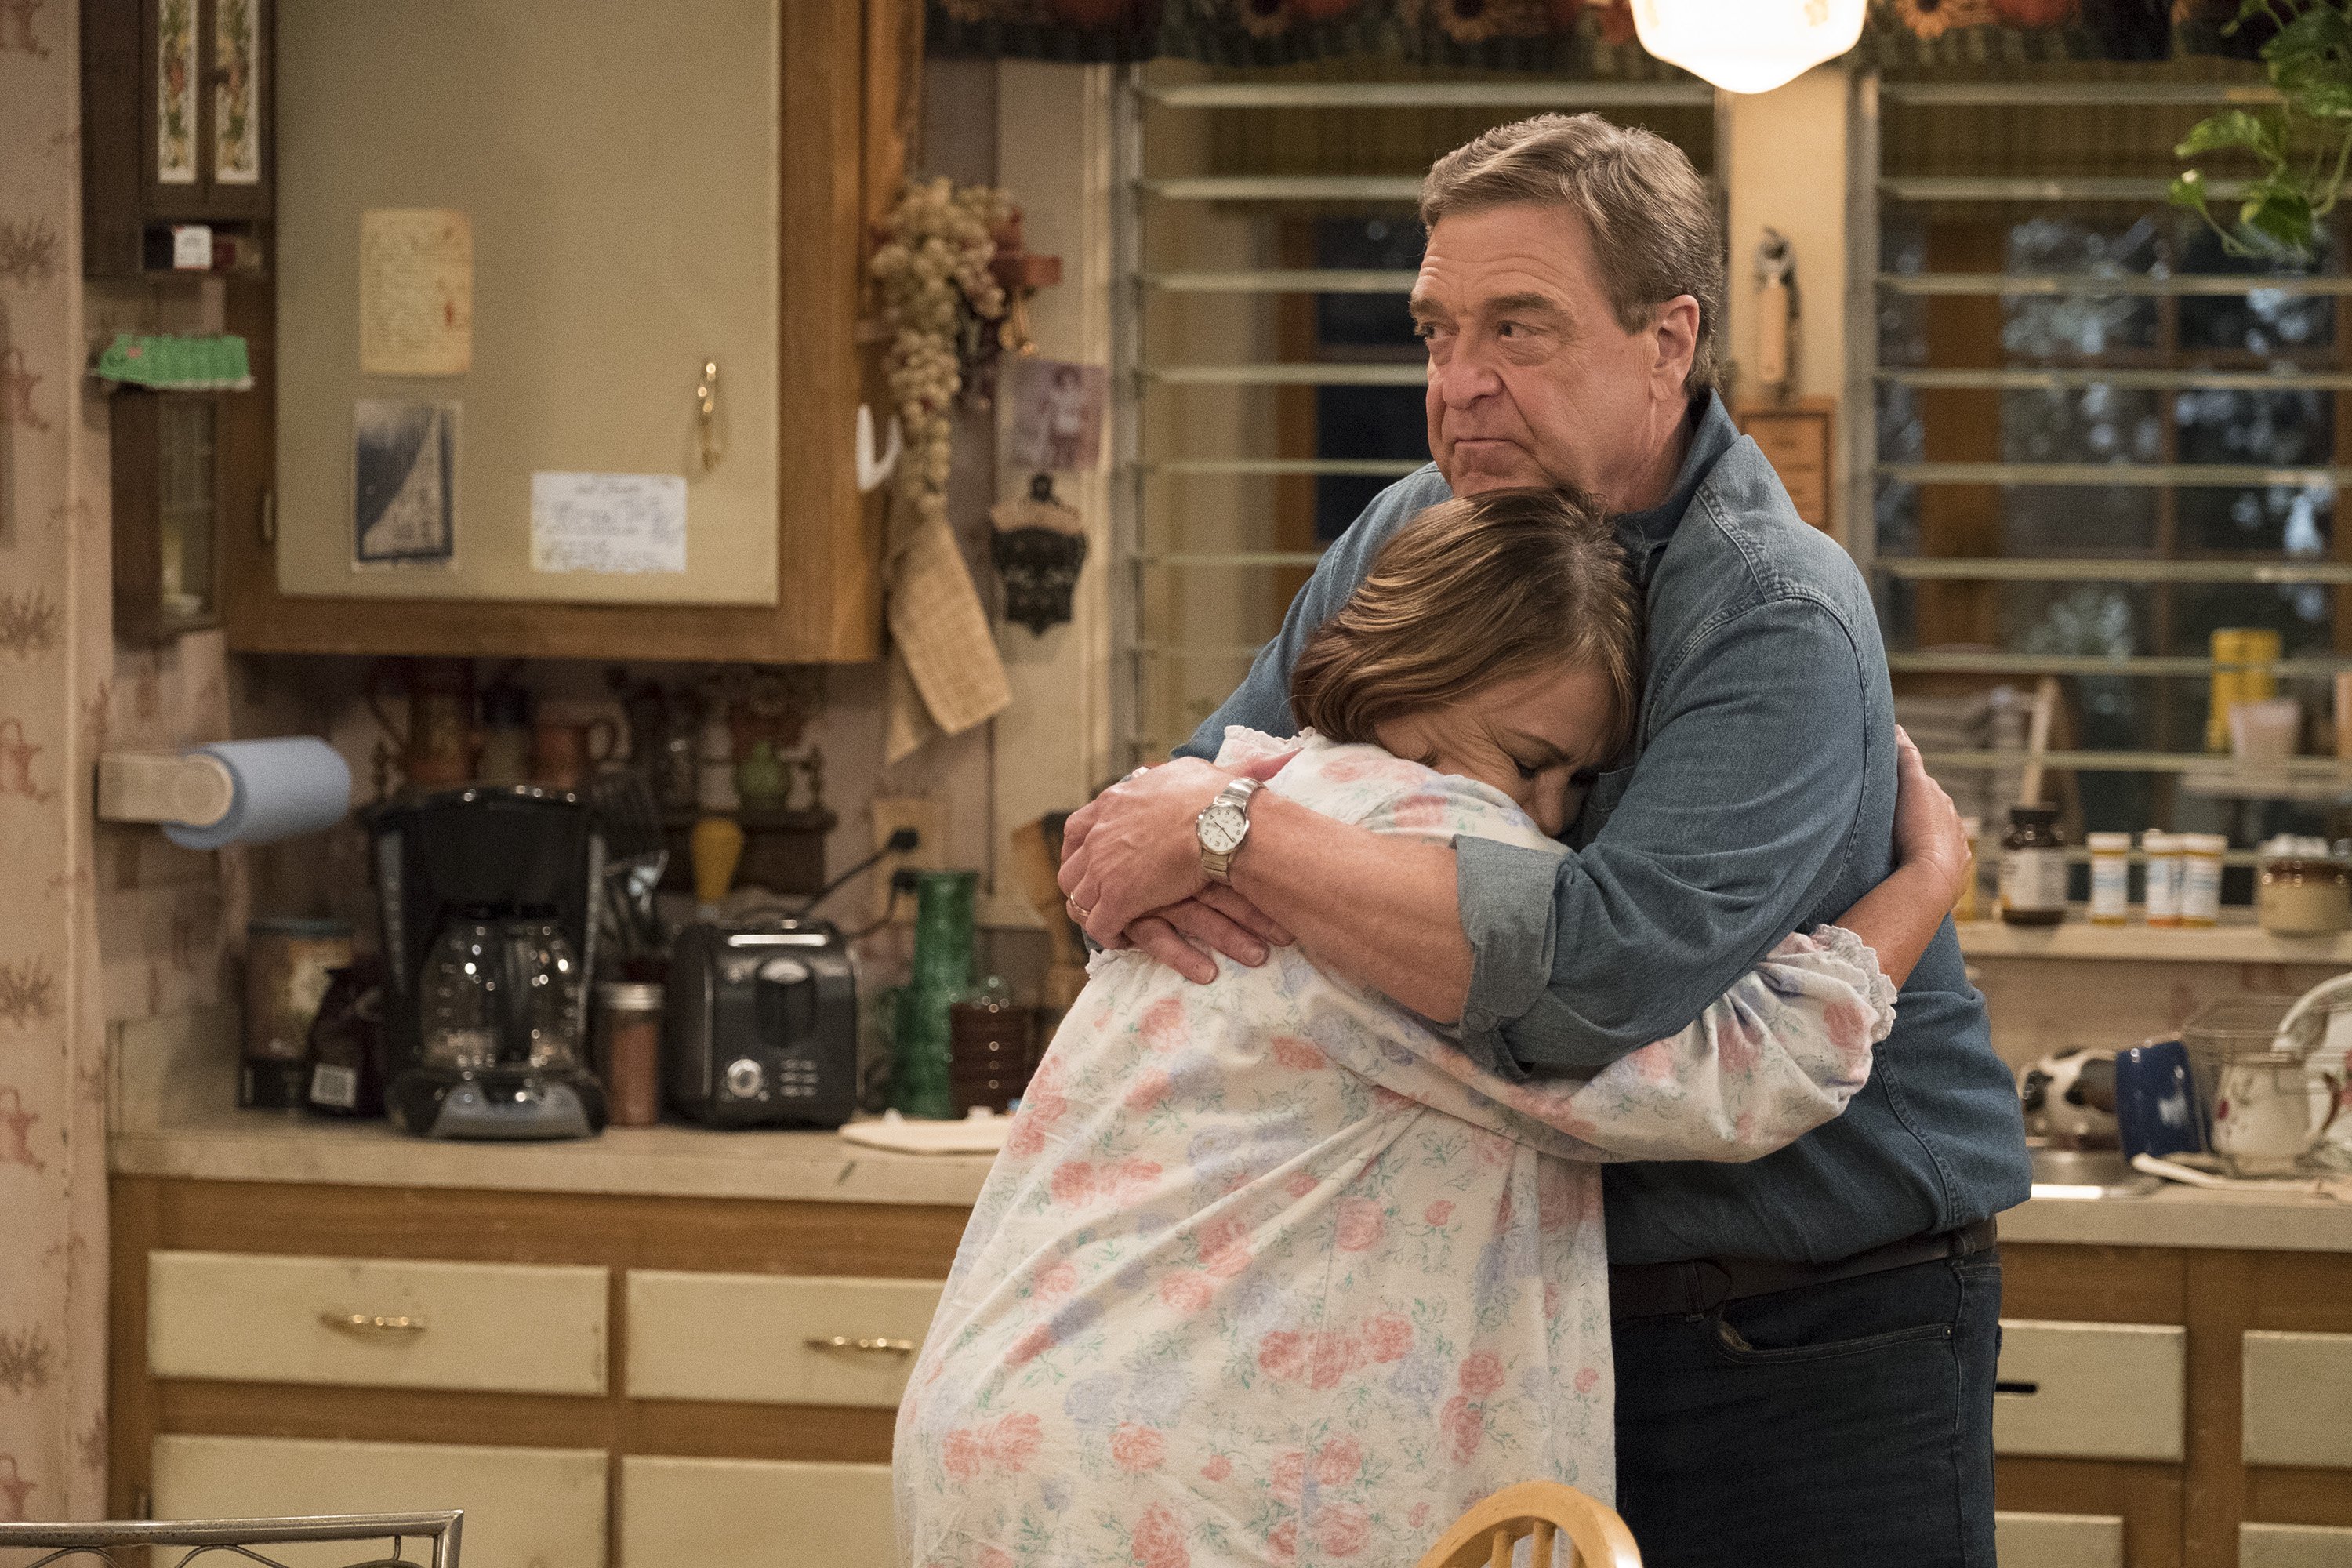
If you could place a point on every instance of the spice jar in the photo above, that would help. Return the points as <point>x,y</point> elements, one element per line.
<point>2301,890</point>
<point>628,1050</point>
<point>2033,868</point>
<point>2163,853</point>
<point>2110,878</point>
<point>2201,878</point>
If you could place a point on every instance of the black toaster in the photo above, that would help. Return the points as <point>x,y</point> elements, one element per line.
<point>760,1025</point>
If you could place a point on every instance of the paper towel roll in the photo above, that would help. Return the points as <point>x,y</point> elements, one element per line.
<point>295,784</point>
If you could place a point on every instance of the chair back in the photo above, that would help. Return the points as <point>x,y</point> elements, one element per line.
<point>1486,1536</point>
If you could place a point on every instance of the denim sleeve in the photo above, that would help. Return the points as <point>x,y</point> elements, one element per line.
<point>1730,827</point>
<point>1262,701</point>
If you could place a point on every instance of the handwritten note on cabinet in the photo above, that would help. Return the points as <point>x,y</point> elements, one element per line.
<point>607,522</point>
<point>416,292</point>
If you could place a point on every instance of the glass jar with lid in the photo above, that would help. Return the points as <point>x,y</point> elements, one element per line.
<point>2302,888</point>
<point>2033,868</point>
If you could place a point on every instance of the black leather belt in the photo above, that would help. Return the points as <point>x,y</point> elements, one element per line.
<point>1703,1284</point>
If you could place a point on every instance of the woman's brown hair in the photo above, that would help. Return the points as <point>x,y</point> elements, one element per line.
<point>1472,592</point>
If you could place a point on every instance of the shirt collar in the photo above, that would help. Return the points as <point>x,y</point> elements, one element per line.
<point>1712,434</point>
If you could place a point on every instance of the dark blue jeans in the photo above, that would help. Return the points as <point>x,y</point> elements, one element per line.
<point>1848,1424</point>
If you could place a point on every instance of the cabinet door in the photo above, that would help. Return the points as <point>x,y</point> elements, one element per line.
<point>617,167</point>
<point>505,1327</point>
<point>2091,1391</point>
<point>773,1339</point>
<point>754,1513</point>
<point>2298,1398</point>
<point>525,1508</point>
<point>2293,1546</point>
<point>2058,1540</point>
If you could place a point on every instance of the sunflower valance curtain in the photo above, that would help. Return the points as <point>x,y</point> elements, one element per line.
<point>1571,37</point>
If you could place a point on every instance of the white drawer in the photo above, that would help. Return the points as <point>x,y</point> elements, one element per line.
<point>2298,1398</point>
<point>2293,1546</point>
<point>2090,1391</point>
<point>497,1327</point>
<point>754,1513</point>
<point>2058,1540</point>
<point>749,1337</point>
<point>525,1508</point>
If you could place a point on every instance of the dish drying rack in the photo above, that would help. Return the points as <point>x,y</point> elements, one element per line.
<point>2288,1032</point>
<point>238,1538</point>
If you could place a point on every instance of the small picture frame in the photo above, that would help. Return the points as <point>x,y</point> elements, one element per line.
<point>1057,410</point>
<point>404,483</point>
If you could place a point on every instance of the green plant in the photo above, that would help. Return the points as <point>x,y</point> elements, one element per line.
<point>2300,148</point>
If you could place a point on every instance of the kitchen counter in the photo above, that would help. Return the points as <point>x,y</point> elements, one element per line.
<point>687,1161</point>
<point>232,1145</point>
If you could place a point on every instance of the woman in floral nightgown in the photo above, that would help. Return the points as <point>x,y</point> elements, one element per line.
<point>1271,1272</point>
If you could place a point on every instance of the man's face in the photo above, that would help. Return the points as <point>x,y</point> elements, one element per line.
<point>1532,381</point>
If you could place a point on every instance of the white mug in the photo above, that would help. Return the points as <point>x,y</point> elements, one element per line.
<point>2268,1116</point>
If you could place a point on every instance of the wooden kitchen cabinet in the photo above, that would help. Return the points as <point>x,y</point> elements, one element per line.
<point>176,128</point>
<point>593,1378</point>
<point>599,293</point>
<point>2184,1411</point>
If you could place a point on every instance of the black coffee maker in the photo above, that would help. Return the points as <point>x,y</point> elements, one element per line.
<point>487,896</point>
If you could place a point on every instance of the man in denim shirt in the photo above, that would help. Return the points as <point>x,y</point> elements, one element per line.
<point>1805,1344</point>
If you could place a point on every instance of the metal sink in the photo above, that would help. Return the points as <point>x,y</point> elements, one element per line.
<point>2087,1174</point>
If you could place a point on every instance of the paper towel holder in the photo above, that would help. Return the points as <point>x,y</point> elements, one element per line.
<point>191,789</point>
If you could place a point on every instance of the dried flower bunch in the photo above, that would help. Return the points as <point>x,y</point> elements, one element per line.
<point>933,269</point>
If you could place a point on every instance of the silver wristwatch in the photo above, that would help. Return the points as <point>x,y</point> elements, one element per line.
<point>1221,827</point>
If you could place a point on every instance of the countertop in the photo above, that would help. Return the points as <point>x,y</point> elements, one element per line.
<point>232,1145</point>
<point>685,1162</point>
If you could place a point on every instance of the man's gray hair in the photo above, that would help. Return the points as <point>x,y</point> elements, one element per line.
<point>1651,217</point>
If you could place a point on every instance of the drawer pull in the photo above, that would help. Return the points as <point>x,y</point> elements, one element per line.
<point>2019,1388</point>
<point>843,1342</point>
<point>370,1323</point>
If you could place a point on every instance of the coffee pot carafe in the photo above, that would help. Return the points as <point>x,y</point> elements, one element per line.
<point>488,898</point>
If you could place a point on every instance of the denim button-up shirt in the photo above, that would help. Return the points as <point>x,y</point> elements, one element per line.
<point>1760,800</point>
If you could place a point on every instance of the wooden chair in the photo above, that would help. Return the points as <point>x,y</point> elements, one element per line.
<point>1485,1536</point>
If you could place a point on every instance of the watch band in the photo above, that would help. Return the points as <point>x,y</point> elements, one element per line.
<point>1218,864</point>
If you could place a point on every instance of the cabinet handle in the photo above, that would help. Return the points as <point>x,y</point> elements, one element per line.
<point>371,1324</point>
<point>706,402</point>
<point>843,1342</point>
<point>268,517</point>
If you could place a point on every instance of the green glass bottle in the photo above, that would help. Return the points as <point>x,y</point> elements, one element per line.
<point>921,1082</point>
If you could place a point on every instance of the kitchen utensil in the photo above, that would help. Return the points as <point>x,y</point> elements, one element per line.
<point>2158,1111</point>
<point>2269,1113</point>
<point>635,856</point>
<point>438,746</point>
<point>562,754</point>
<point>762,1025</point>
<point>2271,1069</point>
<point>489,898</point>
<point>2069,1097</point>
<point>288,965</point>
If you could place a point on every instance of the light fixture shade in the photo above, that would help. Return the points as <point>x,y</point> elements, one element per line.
<point>1747,46</point>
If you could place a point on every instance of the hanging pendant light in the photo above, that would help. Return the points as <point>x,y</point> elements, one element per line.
<point>1747,46</point>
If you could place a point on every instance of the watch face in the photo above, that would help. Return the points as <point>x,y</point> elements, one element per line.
<point>1221,827</point>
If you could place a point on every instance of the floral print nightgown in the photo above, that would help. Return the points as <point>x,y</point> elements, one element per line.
<point>1270,1272</point>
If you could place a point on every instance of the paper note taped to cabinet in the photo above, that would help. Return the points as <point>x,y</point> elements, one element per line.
<point>607,522</point>
<point>416,292</point>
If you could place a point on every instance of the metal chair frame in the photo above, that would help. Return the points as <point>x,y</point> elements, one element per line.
<point>238,1537</point>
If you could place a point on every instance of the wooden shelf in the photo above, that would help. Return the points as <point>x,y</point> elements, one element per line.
<point>2238,941</point>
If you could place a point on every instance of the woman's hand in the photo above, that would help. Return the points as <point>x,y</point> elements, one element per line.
<point>1929,834</point>
<point>1131,871</point>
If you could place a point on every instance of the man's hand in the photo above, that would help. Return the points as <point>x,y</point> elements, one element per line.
<point>1131,871</point>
